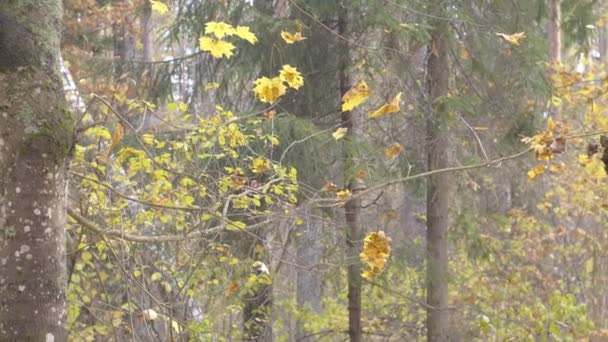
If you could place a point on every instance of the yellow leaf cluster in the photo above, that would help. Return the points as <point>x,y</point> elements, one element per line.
<point>340,133</point>
<point>513,39</point>
<point>292,76</point>
<point>269,89</point>
<point>343,194</point>
<point>355,96</point>
<point>217,46</point>
<point>292,38</point>
<point>391,107</point>
<point>393,150</point>
<point>260,165</point>
<point>552,140</point>
<point>221,30</point>
<point>376,250</point>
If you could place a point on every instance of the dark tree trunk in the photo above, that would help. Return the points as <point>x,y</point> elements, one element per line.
<point>352,208</point>
<point>437,185</point>
<point>36,137</point>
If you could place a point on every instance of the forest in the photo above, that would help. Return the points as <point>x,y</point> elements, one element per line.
<point>303,170</point>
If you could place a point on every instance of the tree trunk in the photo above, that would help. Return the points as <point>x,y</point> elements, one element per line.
<point>308,279</point>
<point>147,29</point>
<point>437,185</point>
<point>554,31</point>
<point>352,208</point>
<point>36,138</point>
<point>257,311</point>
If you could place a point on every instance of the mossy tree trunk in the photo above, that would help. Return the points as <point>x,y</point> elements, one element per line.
<point>36,137</point>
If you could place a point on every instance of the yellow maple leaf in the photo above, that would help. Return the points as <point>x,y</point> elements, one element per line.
<point>269,89</point>
<point>243,32</point>
<point>159,7</point>
<point>339,133</point>
<point>219,29</point>
<point>292,38</point>
<point>513,39</point>
<point>355,96</point>
<point>391,107</point>
<point>376,250</point>
<point>292,76</point>
<point>393,150</point>
<point>216,47</point>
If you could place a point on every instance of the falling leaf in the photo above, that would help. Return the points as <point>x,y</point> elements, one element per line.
<point>464,54</point>
<point>291,38</point>
<point>376,250</point>
<point>243,32</point>
<point>360,174</point>
<point>513,39</point>
<point>343,194</point>
<point>390,215</point>
<point>292,76</point>
<point>299,221</point>
<point>232,288</point>
<point>116,137</point>
<point>269,90</point>
<point>329,187</point>
<point>355,96</point>
<point>212,85</point>
<point>269,114</point>
<point>339,133</point>
<point>159,7</point>
<point>391,107</point>
<point>393,150</point>
<point>216,47</point>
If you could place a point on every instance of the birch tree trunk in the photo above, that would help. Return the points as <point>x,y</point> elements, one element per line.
<point>36,138</point>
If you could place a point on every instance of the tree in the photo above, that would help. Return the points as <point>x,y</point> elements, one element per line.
<point>438,187</point>
<point>36,140</point>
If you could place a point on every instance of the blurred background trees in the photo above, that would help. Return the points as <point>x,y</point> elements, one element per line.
<point>210,241</point>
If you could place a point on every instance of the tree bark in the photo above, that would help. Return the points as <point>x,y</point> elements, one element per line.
<point>308,279</point>
<point>554,31</point>
<point>352,208</point>
<point>437,185</point>
<point>36,138</point>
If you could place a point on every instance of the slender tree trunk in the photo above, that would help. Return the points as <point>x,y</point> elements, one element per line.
<point>147,32</point>
<point>352,208</point>
<point>308,279</point>
<point>36,137</point>
<point>257,311</point>
<point>554,31</point>
<point>438,185</point>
